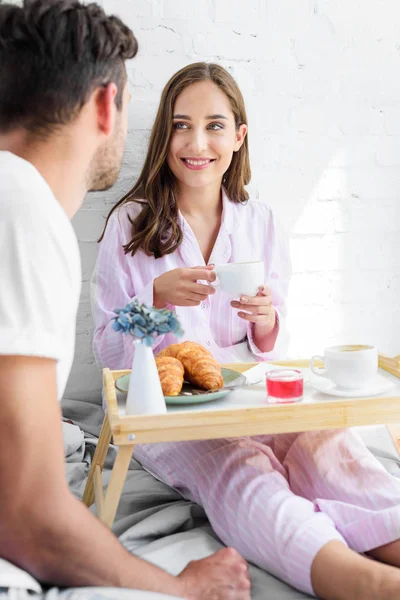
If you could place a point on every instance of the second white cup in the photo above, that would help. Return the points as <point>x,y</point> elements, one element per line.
<point>349,367</point>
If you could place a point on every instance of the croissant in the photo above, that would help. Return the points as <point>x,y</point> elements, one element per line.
<point>169,351</point>
<point>201,368</point>
<point>190,346</point>
<point>170,371</point>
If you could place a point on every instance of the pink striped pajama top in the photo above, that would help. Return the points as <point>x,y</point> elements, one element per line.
<point>248,232</point>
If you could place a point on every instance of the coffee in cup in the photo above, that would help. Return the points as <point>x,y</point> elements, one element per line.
<point>349,366</point>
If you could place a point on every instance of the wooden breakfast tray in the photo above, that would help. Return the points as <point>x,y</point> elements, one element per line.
<point>244,412</point>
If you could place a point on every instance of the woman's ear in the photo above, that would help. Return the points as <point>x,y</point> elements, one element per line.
<point>240,135</point>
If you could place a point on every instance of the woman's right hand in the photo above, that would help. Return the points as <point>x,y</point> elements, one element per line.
<point>180,287</point>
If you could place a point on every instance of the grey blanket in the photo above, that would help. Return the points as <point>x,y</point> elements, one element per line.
<point>154,521</point>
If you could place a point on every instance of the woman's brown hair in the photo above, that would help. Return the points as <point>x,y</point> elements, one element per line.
<point>156,230</point>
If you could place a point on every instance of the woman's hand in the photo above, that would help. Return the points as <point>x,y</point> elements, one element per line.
<point>179,287</point>
<point>259,309</point>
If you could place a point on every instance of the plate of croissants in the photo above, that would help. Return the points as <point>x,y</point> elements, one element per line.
<point>189,374</point>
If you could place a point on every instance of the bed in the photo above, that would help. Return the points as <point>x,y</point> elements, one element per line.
<point>154,521</point>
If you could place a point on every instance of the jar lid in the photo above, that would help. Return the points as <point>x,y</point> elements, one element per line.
<point>284,375</point>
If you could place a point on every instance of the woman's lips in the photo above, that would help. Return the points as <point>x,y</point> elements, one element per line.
<point>197,164</point>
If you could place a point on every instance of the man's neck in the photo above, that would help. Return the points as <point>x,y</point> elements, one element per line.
<point>58,162</point>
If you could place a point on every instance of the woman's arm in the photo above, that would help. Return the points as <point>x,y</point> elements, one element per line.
<point>113,286</point>
<point>271,341</point>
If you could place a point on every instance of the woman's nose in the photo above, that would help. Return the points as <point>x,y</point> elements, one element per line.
<point>198,140</point>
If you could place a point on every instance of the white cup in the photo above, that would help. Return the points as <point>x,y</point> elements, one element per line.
<point>349,367</point>
<point>240,278</point>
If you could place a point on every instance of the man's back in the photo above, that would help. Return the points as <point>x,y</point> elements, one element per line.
<point>40,275</point>
<point>41,264</point>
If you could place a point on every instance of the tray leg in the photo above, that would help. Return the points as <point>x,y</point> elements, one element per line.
<point>394,431</point>
<point>116,484</point>
<point>98,460</point>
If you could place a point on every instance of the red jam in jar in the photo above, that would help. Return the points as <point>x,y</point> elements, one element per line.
<point>284,385</point>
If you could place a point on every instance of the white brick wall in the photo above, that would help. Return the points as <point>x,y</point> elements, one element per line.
<point>321,81</point>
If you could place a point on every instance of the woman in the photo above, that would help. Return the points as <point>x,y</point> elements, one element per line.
<point>302,506</point>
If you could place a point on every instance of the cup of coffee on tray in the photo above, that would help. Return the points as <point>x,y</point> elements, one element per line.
<point>240,278</point>
<point>350,367</point>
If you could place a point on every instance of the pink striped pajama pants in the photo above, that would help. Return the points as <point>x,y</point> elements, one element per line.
<point>278,499</point>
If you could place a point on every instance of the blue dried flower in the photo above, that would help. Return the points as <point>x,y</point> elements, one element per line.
<point>146,323</point>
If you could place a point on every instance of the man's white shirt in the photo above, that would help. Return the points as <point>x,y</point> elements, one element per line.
<point>40,280</point>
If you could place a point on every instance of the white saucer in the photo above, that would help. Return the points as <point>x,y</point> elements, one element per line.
<point>376,387</point>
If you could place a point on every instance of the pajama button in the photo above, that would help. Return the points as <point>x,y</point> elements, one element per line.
<point>203,305</point>
<point>208,343</point>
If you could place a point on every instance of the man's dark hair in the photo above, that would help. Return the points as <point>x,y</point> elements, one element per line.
<point>53,54</point>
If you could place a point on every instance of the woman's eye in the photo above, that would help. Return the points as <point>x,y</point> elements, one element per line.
<point>215,126</point>
<point>180,125</point>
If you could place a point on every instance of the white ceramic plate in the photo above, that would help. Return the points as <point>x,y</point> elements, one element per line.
<point>191,395</point>
<point>326,386</point>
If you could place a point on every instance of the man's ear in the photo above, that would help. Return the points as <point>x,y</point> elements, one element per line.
<point>240,135</point>
<point>105,105</point>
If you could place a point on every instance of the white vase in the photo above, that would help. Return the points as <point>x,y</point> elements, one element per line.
<point>145,396</point>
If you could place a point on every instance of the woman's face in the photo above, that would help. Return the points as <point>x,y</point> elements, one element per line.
<point>204,135</point>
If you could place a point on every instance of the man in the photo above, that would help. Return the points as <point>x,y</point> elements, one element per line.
<point>63,123</point>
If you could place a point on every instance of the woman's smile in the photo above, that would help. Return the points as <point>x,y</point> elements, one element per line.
<point>197,164</point>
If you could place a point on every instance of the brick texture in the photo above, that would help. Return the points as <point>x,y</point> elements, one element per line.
<point>322,87</point>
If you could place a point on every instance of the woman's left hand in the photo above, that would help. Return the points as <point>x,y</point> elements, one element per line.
<point>259,309</point>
